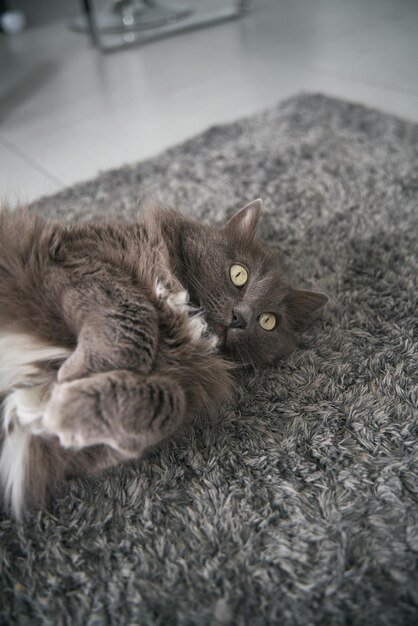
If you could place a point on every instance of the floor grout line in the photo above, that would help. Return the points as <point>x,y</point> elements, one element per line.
<point>29,161</point>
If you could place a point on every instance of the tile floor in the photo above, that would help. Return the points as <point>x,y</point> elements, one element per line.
<point>67,111</point>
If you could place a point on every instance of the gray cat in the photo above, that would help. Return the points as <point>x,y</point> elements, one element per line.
<point>113,335</point>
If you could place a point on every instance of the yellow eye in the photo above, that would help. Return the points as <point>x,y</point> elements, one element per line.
<point>267,321</point>
<point>238,274</point>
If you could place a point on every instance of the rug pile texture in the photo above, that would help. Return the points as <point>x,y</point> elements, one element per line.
<point>298,506</point>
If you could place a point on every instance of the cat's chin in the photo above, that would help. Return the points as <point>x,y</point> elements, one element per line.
<point>232,340</point>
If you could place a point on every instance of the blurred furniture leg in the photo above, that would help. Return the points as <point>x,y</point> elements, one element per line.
<point>90,24</point>
<point>123,22</point>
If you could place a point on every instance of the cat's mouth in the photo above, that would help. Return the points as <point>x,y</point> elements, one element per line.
<point>228,339</point>
<point>228,336</point>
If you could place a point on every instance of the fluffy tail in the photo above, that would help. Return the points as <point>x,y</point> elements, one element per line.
<point>27,462</point>
<point>29,468</point>
<point>32,463</point>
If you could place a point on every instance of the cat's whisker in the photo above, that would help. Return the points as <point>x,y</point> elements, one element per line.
<point>200,288</point>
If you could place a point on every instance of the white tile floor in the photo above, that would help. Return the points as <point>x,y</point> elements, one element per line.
<point>66,111</point>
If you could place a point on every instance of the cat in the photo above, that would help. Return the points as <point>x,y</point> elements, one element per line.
<point>113,335</point>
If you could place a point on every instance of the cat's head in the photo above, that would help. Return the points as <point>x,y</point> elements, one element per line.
<point>244,291</point>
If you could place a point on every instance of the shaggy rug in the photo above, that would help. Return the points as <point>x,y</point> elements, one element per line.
<point>298,506</point>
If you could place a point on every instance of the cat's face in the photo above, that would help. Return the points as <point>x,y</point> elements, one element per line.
<point>244,292</point>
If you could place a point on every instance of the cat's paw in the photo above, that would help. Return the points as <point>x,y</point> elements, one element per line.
<point>120,409</point>
<point>71,415</point>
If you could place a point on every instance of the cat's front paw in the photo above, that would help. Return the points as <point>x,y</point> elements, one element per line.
<point>71,415</point>
<point>121,409</point>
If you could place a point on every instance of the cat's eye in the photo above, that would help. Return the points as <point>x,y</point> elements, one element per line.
<point>238,274</point>
<point>267,321</point>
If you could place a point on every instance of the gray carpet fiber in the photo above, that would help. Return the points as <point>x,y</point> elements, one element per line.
<point>298,506</point>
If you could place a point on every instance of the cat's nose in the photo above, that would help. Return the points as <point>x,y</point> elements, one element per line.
<point>238,319</point>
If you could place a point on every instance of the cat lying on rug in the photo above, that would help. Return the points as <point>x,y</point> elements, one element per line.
<point>113,335</point>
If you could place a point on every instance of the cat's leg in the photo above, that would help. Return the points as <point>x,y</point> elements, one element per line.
<point>117,328</point>
<point>120,409</point>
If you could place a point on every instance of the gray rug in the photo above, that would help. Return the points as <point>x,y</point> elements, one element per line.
<point>299,505</point>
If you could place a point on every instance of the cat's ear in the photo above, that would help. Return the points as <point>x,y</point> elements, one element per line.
<point>302,303</point>
<point>244,223</point>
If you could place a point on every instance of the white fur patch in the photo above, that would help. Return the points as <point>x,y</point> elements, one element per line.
<point>27,388</point>
<point>179,302</point>
<point>160,290</point>
<point>18,354</point>
<point>13,467</point>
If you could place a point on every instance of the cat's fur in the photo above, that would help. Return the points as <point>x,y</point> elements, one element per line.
<point>114,335</point>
